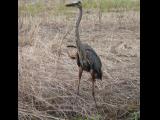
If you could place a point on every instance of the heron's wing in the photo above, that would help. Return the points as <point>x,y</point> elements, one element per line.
<point>93,59</point>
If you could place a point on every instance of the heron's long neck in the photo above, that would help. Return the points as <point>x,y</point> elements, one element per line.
<point>81,51</point>
<point>78,42</point>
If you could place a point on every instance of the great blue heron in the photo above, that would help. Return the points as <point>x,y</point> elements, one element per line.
<point>87,59</point>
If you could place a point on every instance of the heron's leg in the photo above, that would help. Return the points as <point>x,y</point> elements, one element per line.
<point>93,86</point>
<point>93,92</point>
<point>80,75</point>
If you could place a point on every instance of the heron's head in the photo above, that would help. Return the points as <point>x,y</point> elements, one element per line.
<point>77,4</point>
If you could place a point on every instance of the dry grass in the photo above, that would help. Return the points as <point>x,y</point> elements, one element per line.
<point>47,81</point>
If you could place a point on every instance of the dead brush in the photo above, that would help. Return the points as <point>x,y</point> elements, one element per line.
<point>28,27</point>
<point>47,77</point>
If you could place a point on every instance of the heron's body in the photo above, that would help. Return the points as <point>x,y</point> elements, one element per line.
<point>92,61</point>
<point>87,58</point>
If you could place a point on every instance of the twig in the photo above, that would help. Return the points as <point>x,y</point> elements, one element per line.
<point>39,115</point>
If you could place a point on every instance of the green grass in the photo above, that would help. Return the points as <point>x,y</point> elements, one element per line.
<point>32,9</point>
<point>41,7</point>
<point>103,5</point>
<point>135,116</point>
<point>109,5</point>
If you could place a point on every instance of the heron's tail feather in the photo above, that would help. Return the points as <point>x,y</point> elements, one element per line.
<point>99,75</point>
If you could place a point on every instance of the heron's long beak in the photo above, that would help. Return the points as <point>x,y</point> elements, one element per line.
<point>71,5</point>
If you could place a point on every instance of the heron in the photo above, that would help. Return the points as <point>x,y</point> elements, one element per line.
<point>87,58</point>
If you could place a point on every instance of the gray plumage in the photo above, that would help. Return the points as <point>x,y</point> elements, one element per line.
<point>87,58</point>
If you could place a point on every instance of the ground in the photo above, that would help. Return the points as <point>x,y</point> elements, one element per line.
<point>47,81</point>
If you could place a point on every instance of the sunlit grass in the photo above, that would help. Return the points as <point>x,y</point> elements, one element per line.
<point>103,5</point>
<point>111,5</point>
<point>31,8</point>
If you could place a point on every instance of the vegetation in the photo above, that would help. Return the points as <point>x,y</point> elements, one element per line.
<point>112,5</point>
<point>47,77</point>
<point>105,5</point>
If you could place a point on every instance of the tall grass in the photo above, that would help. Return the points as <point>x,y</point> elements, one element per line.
<point>31,8</point>
<point>111,5</point>
<point>104,5</point>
